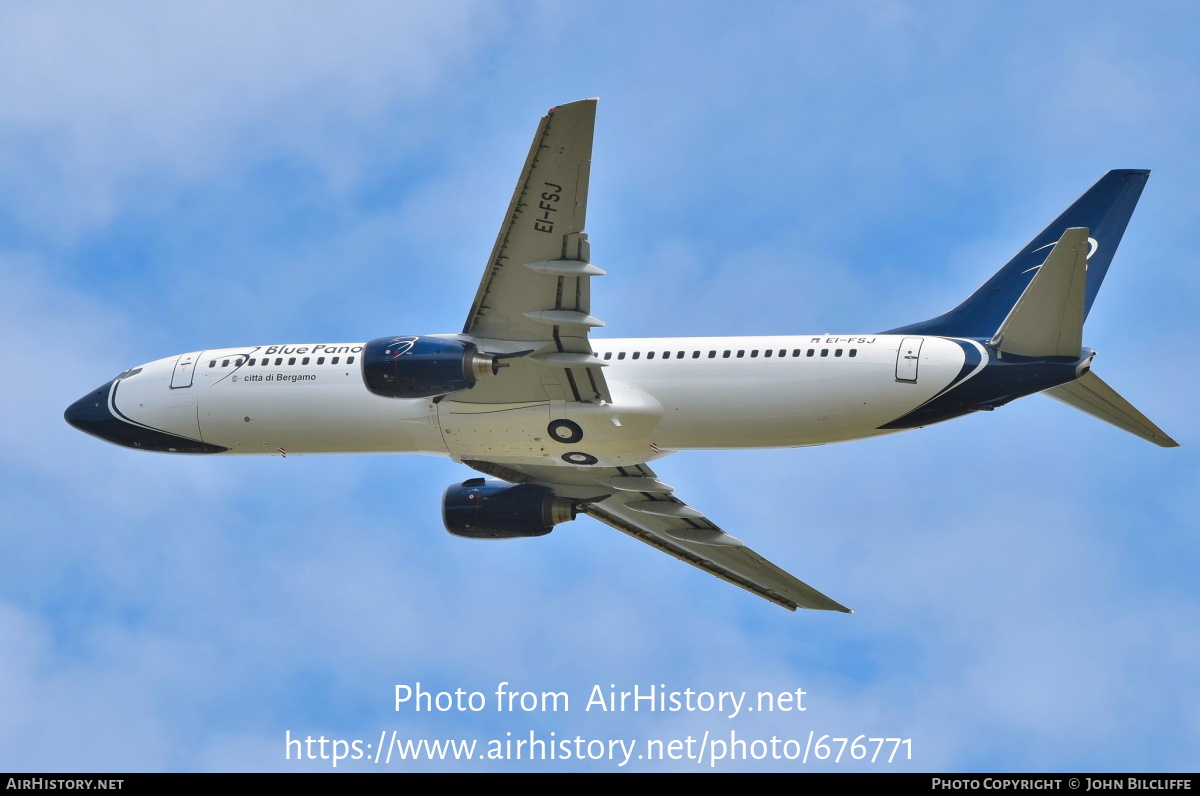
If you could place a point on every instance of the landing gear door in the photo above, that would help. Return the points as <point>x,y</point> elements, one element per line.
<point>185,366</point>
<point>907,358</point>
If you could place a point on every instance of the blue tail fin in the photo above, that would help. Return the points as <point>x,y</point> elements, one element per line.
<point>1105,210</point>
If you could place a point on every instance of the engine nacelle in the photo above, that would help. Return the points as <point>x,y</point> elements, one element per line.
<point>423,367</point>
<point>482,509</point>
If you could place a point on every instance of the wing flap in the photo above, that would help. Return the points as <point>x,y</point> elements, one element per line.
<point>707,547</point>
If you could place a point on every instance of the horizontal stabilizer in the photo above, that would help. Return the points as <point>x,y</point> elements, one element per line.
<point>1090,394</point>
<point>1047,321</point>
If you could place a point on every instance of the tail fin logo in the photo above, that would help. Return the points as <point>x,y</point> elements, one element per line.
<point>1093,247</point>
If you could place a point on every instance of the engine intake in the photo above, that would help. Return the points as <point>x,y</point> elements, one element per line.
<point>423,367</point>
<point>482,509</point>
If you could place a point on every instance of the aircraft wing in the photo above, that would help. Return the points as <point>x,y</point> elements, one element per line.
<point>634,501</point>
<point>537,285</point>
<point>535,294</point>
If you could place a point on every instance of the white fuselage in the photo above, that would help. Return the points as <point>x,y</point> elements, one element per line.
<point>667,394</point>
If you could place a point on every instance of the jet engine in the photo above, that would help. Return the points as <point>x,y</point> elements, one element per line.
<point>482,509</point>
<point>424,367</point>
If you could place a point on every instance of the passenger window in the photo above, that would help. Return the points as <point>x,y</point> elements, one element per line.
<point>741,353</point>
<point>349,360</point>
<point>824,352</point>
<point>712,354</point>
<point>637,354</point>
<point>225,363</point>
<point>726,354</point>
<point>291,360</point>
<point>754,353</point>
<point>695,355</point>
<point>795,352</point>
<point>304,361</point>
<point>649,355</point>
<point>810,352</point>
<point>853,352</point>
<point>768,352</point>
<point>320,360</point>
<point>620,355</point>
<point>837,353</point>
<point>212,363</point>
<point>608,354</point>
<point>334,361</point>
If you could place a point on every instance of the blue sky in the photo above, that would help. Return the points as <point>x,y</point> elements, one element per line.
<point>174,179</point>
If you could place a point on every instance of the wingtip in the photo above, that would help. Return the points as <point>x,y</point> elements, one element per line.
<point>574,102</point>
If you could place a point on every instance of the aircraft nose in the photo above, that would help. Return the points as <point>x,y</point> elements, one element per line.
<point>90,413</point>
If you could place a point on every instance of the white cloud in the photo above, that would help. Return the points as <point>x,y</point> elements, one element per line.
<point>92,98</point>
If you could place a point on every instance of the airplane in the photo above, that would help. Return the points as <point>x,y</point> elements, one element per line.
<point>565,424</point>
